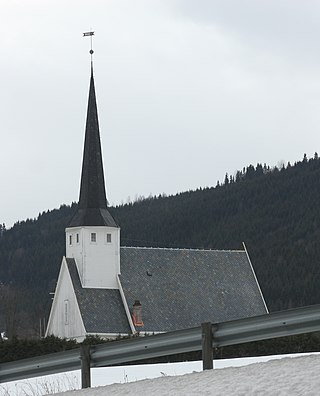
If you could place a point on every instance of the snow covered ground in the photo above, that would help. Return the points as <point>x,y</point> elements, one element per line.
<point>288,376</point>
<point>273,375</point>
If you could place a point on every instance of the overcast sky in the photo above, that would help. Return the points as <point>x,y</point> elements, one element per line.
<point>187,90</point>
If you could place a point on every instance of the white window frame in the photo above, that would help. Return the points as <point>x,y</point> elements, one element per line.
<point>109,237</point>
<point>93,237</point>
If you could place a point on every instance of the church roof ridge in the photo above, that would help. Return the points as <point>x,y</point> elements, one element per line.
<point>188,249</point>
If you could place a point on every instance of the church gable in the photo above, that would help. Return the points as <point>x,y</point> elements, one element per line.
<point>65,319</point>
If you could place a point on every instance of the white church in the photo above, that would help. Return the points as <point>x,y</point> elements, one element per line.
<point>109,290</point>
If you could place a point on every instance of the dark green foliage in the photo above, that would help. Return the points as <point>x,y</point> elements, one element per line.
<point>30,257</point>
<point>22,348</point>
<point>294,344</point>
<point>94,340</point>
<point>16,349</point>
<point>274,211</point>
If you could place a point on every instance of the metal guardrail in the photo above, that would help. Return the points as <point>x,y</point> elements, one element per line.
<point>278,324</point>
<point>52,363</point>
<point>273,325</point>
<point>108,354</point>
<point>180,341</point>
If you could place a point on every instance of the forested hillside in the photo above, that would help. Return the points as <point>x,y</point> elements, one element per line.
<point>276,212</point>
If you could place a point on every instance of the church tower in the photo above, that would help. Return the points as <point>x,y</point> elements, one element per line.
<point>93,236</point>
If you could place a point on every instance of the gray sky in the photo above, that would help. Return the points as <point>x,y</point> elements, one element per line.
<point>187,90</point>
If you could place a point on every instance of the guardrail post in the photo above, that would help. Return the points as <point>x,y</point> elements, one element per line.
<point>207,350</point>
<point>85,366</point>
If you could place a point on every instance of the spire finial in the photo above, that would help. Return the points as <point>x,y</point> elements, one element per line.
<point>91,50</point>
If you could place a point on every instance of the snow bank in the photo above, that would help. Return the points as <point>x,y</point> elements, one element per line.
<point>287,376</point>
<point>258,378</point>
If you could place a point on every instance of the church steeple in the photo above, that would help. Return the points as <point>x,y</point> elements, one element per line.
<point>92,209</point>
<point>92,236</point>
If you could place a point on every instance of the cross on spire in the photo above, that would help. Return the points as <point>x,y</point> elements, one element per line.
<point>90,34</point>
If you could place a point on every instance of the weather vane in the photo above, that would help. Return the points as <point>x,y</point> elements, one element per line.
<point>86,35</point>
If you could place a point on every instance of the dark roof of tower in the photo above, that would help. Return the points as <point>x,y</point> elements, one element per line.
<point>92,208</point>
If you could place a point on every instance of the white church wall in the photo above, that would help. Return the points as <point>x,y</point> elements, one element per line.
<point>96,251</point>
<point>65,320</point>
<point>74,247</point>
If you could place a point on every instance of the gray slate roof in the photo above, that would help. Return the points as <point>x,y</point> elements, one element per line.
<point>180,288</point>
<point>101,309</point>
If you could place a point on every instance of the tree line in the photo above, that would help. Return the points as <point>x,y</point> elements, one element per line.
<point>274,210</point>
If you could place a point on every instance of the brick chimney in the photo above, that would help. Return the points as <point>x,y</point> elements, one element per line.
<point>137,314</point>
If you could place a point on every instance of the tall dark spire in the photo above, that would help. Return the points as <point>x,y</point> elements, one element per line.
<point>92,208</point>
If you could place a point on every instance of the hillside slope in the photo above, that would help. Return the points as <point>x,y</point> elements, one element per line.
<point>275,212</point>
